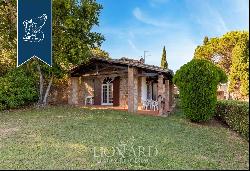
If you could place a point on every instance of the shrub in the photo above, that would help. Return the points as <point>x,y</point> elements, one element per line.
<point>197,82</point>
<point>235,115</point>
<point>2,107</point>
<point>17,88</point>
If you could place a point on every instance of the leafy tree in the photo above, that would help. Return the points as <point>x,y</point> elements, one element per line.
<point>238,76</point>
<point>164,63</point>
<point>220,52</point>
<point>197,81</point>
<point>73,38</point>
<point>7,35</point>
<point>97,52</point>
<point>17,85</point>
<point>73,21</point>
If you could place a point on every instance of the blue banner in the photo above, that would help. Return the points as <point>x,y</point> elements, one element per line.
<point>34,30</point>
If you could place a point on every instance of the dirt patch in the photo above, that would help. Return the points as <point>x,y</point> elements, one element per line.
<point>211,123</point>
<point>215,123</point>
<point>4,132</point>
<point>201,157</point>
<point>234,136</point>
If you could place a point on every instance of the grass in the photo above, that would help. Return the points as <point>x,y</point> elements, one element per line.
<point>75,138</point>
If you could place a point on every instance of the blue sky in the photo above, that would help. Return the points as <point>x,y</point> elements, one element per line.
<point>132,26</point>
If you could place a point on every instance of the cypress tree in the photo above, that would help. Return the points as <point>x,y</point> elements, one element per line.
<point>164,63</point>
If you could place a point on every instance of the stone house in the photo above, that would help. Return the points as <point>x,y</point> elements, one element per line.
<point>124,83</point>
<point>222,92</point>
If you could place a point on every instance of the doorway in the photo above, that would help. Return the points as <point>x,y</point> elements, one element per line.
<point>107,91</point>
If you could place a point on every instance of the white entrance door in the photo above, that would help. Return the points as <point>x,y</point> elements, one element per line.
<point>107,94</point>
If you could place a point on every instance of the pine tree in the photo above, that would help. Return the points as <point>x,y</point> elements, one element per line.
<point>233,50</point>
<point>164,63</point>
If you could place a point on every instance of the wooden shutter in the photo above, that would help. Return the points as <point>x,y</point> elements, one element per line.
<point>97,92</point>
<point>116,91</point>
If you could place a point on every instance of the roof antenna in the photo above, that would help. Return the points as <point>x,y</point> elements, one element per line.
<point>145,54</point>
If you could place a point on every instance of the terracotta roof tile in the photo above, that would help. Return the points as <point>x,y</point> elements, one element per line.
<point>131,62</point>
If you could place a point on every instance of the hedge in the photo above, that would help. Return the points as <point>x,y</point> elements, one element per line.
<point>235,115</point>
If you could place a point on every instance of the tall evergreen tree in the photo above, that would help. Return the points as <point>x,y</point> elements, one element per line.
<point>164,63</point>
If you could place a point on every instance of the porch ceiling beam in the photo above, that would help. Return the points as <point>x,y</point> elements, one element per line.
<point>106,73</point>
<point>147,74</point>
<point>96,67</point>
<point>103,65</point>
<point>100,71</point>
<point>112,68</point>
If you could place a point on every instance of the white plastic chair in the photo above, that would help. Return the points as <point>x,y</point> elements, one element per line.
<point>155,105</point>
<point>144,104</point>
<point>150,102</point>
<point>89,100</point>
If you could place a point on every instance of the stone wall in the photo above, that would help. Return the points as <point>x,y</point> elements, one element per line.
<point>87,88</point>
<point>132,89</point>
<point>59,93</point>
<point>73,93</point>
<point>139,93</point>
<point>123,92</point>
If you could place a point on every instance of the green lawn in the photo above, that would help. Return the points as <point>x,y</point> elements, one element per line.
<point>75,138</point>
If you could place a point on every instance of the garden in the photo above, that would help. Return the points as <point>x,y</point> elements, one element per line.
<point>64,137</point>
<point>201,133</point>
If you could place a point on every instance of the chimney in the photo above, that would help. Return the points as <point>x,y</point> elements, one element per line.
<point>142,61</point>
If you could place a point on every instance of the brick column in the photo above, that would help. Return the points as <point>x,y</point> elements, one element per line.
<point>160,93</point>
<point>73,98</point>
<point>167,96</point>
<point>81,98</point>
<point>171,94</point>
<point>139,92</point>
<point>132,90</point>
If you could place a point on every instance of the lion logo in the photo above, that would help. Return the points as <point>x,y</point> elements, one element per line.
<point>32,28</point>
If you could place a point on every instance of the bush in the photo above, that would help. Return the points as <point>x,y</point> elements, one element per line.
<point>235,115</point>
<point>17,88</point>
<point>197,82</point>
